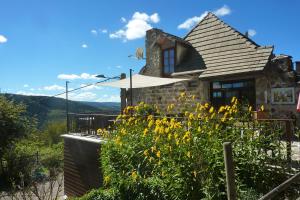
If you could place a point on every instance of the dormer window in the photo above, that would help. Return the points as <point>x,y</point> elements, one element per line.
<point>168,61</point>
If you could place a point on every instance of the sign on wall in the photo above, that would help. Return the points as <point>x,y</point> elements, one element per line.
<point>283,95</point>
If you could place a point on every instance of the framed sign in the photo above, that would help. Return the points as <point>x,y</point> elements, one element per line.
<point>283,95</point>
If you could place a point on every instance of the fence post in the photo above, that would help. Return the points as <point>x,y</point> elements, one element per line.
<point>288,129</point>
<point>229,169</point>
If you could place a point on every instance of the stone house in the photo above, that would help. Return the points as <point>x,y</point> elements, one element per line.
<point>220,62</point>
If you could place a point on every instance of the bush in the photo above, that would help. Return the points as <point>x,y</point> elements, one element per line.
<point>181,157</point>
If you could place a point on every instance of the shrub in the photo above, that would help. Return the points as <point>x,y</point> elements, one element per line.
<point>180,156</point>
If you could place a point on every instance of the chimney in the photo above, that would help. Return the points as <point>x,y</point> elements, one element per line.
<point>247,34</point>
<point>298,67</point>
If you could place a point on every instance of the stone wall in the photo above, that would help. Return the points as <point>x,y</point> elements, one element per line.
<point>279,74</point>
<point>164,95</point>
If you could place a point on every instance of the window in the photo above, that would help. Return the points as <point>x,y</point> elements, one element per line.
<point>168,61</point>
<point>223,91</point>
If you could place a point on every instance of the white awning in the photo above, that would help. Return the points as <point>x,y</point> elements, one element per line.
<point>141,81</point>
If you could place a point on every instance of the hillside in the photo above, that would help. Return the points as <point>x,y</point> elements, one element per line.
<point>46,109</point>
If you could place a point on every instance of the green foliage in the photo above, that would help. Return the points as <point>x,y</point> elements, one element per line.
<point>13,123</point>
<point>48,110</point>
<point>110,194</point>
<point>162,157</point>
<point>52,132</point>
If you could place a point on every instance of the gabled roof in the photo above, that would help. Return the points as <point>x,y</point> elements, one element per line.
<point>224,50</point>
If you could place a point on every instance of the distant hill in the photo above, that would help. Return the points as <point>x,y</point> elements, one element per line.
<point>46,109</point>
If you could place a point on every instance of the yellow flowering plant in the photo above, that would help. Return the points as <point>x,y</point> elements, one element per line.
<point>167,155</point>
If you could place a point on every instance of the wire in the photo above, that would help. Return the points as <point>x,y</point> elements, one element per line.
<point>46,97</point>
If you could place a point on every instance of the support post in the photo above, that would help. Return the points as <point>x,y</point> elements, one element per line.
<point>131,95</point>
<point>67,107</point>
<point>288,129</point>
<point>229,169</point>
<point>123,94</point>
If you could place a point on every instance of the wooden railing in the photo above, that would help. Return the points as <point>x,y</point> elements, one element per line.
<point>89,123</point>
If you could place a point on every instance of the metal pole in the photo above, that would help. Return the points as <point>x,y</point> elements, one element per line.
<point>229,169</point>
<point>131,99</point>
<point>67,107</point>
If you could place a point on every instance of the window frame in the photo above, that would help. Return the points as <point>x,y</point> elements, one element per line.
<point>169,58</point>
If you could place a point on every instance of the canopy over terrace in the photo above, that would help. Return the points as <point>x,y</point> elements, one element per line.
<point>142,81</point>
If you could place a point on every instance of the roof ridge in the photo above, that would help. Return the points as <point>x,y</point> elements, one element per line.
<point>225,24</point>
<point>208,13</point>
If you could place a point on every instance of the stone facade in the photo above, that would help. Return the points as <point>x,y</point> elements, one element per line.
<point>278,72</point>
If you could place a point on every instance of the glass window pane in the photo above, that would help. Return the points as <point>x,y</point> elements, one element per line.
<point>166,54</point>
<point>216,85</point>
<point>171,53</point>
<point>227,85</point>
<point>238,85</point>
<point>166,62</point>
<point>172,61</point>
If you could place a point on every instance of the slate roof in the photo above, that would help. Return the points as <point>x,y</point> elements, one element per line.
<point>224,50</point>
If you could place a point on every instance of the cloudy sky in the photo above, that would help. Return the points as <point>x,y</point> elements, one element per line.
<point>45,43</point>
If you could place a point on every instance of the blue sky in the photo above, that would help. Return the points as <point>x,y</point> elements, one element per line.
<point>43,43</point>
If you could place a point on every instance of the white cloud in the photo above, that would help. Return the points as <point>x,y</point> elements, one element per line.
<point>21,92</point>
<point>136,26</point>
<point>187,24</point>
<point>190,22</point>
<point>103,30</point>
<point>32,89</point>
<point>26,85</point>
<point>3,39</point>
<point>84,76</point>
<point>119,66</point>
<point>109,98</point>
<point>94,32</point>
<point>54,87</point>
<point>84,96</point>
<point>91,87</point>
<point>84,46</point>
<point>123,19</point>
<point>251,32</point>
<point>225,10</point>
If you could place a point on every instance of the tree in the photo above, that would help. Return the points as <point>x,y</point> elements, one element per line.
<point>13,123</point>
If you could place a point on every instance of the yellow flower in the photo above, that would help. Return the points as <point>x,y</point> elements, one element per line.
<point>195,173</point>
<point>150,123</point>
<point>262,108</point>
<point>221,109</point>
<point>199,129</point>
<point>193,97</point>
<point>169,136</point>
<point>188,154</point>
<point>123,131</point>
<point>211,109</point>
<point>250,108</point>
<point>186,113</point>
<point>217,126</point>
<point>206,105</point>
<point>150,117</point>
<point>153,149</point>
<point>233,100</point>
<point>167,130</point>
<point>118,141</point>
<point>145,132</point>
<point>182,94</point>
<point>146,153</point>
<point>158,154</point>
<point>134,175</point>
<point>106,180</point>
<point>156,139</point>
<point>191,116</point>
